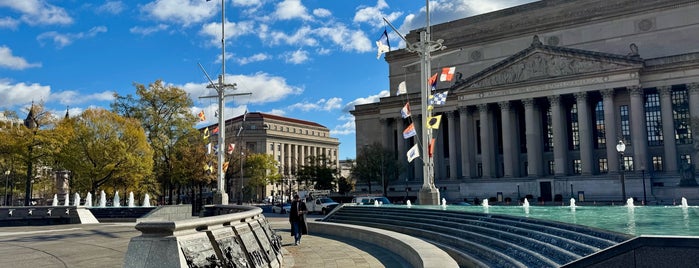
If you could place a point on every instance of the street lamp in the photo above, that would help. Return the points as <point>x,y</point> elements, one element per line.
<point>519,198</point>
<point>621,147</point>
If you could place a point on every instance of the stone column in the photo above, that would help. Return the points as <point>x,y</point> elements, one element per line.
<point>639,136</point>
<point>693,90</point>
<point>285,158</point>
<point>453,173</point>
<point>560,136</point>
<point>303,154</point>
<point>487,154</point>
<point>585,128</point>
<point>297,157</point>
<point>669,145</point>
<point>467,147</point>
<point>385,132</point>
<point>533,137</point>
<point>509,151</point>
<point>610,129</point>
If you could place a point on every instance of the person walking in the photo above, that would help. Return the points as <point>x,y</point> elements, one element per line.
<point>297,218</point>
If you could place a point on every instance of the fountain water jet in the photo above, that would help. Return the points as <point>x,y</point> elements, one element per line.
<point>76,199</point>
<point>572,202</point>
<point>684,203</point>
<point>131,201</point>
<point>116,201</point>
<point>55,200</point>
<point>629,202</point>
<point>103,199</point>
<point>407,203</point>
<point>146,201</point>
<point>526,206</point>
<point>376,203</point>
<point>444,202</point>
<point>88,200</point>
<point>485,203</point>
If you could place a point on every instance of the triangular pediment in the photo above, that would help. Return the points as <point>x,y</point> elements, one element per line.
<point>542,62</point>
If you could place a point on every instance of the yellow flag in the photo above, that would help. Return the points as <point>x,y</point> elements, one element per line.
<point>225,166</point>
<point>433,121</point>
<point>206,133</point>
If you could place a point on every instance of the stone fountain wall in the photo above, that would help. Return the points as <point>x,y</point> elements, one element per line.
<point>242,238</point>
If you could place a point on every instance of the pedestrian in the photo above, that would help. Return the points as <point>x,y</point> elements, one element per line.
<point>297,218</point>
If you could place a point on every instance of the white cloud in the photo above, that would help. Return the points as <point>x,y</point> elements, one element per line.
<point>278,112</point>
<point>254,58</point>
<point>322,13</point>
<point>302,37</point>
<point>63,40</point>
<point>148,30</point>
<point>346,39</point>
<point>344,129</point>
<point>232,30</point>
<point>10,61</point>
<point>21,93</point>
<point>296,57</point>
<point>182,12</point>
<point>370,99</point>
<point>373,15</point>
<point>291,9</point>
<point>71,97</point>
<point>321,105</point>
<point>112,7</point>
<point>264,87</point>
<point>38,12</point>
<point>8,23</point>
<point>247,3</point>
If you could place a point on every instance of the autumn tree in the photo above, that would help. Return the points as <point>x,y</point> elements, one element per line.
<point>107,149</point>
<point>262,170</point>
<point>377,164</point>
<point>164,113</point>
<point>189,160</point>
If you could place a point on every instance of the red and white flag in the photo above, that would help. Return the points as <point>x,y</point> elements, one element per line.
<point>231,147</point>
<point>447,74</point>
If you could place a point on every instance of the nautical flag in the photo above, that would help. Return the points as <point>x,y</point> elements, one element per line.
<point>405,112</point>
<point>215,131</point>
<point>438,99</point>
<point>231,147</point>
<point>431,149</point>
<point>409,131</point>
<point>447,74</point>
<point>433,82</point>
<point>382,44</point>
<point>433,121</point>
<point>225,166</point>
<point>413,153</point>
<point>206,133</point>
<point>202,117</point>
<point>401,89</point>
<point>208,148</point>
<point>216,149</point>
<point>209,168</point>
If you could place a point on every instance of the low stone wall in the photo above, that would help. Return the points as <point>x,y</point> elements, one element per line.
<point>646,251</point>
<point>240,239</point>
<point>38,215</point>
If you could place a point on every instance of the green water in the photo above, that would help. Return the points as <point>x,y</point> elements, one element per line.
<point>641,220</point>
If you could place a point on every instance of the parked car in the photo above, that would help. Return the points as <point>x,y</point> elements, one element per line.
<point>281,208</point>
<point>369,200</point>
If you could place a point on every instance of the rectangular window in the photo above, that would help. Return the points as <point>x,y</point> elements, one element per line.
<point>685,158</point>
<point>574,127</point>
<point>478,139</point>
<point>625,125</point>
<point>552,167</point>
<point>603,165</point>
<point>548,144</point>
<point>657,163</point>
<point>628,163</point>
<point>680,114</point>
<point>577,166</point>
<point>654,123</point>
<point>271,146</point>
<point>600,132</point>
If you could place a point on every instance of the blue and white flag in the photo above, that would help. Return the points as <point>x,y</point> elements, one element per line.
<point>413,153</point>
<point>405,111</point>
<point>439,98</point>
<point>382,44</point>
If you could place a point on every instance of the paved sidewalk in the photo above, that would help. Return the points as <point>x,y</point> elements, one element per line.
<point>104,245</point>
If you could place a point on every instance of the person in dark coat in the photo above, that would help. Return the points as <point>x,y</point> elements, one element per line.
<point>297,218</point>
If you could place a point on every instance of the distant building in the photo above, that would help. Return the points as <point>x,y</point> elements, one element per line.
<point>542,94</point>
<point>291,142</point>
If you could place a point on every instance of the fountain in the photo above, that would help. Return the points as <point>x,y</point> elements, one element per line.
<point>55,200</point>
<point>526,206</point>
<point>103,199</point>
<point>66,201</point>
<point>146,201</point>
<point>407,203</point>
<point>116,201</point>
<point>76,199</point>
<point>131,203</point>
<point>629,202</point>
<point>485,203</point>
<point>572,203</point>
<point>88,200</point>
<point>376,203</point>
<point>444,202</point>
<point>684,203</point>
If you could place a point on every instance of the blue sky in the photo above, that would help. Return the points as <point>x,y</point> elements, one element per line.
<point>306,59</point>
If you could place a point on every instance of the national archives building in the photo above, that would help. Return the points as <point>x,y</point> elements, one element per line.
<point>543,94</point>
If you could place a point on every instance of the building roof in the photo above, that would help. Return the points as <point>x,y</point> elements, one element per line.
<point>258,115</point>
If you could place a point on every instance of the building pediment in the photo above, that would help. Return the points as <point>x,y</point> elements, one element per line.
<point>543,62</point>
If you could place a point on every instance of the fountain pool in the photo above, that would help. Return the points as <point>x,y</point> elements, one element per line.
<point>640,220</point>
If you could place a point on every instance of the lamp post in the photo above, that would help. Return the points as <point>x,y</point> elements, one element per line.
<point>519,197</point>
<point>621,147</point>
<point>571,190</point>
<point>643,179</point>
<point>7,178</point>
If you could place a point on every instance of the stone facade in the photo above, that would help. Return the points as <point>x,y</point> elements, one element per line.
<point>542,95</point>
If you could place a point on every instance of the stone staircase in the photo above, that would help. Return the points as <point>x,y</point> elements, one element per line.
<point>486,240</point>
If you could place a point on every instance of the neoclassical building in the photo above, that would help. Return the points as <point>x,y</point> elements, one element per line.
<point>291,142</point>
<point>543,94</point>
